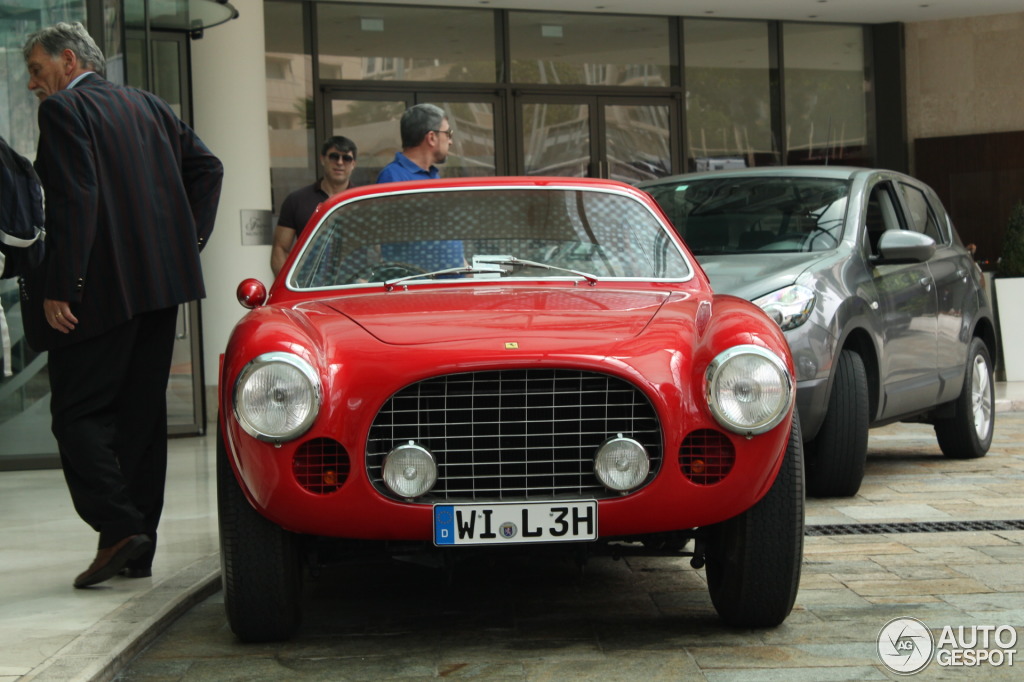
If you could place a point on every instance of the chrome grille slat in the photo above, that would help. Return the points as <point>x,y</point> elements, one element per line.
<point>513,434</point>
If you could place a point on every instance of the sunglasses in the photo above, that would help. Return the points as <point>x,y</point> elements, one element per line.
<point>335,157</point>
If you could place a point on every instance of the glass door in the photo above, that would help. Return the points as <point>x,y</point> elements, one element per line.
<point>628,139</point>
<point>186,398</point>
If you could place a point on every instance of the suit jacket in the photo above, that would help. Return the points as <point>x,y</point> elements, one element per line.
<point>131,198</point>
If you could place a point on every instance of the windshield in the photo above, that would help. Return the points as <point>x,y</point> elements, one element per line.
<point>533,232</point>
<point>757,213</point>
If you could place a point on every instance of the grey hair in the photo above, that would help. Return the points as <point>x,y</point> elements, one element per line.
<point>417,121</point>
<point>64,36</point>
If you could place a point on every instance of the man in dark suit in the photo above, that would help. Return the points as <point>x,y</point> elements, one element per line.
<point>131,198</point>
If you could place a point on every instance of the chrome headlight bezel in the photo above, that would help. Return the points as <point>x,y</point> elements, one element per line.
<point>768,377</point>
<point>296,422</point>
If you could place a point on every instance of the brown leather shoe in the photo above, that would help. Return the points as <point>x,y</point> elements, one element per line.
<point>112,559</point>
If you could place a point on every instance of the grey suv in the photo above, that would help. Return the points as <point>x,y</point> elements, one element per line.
<point>884,309</point>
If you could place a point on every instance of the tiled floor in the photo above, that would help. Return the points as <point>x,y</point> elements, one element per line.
<point>44,545</point>
<point>50,631</point>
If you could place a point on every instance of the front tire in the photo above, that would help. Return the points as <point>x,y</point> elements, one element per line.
<point>968,433</point>
<point>261,570</point>
<point>753,560</point>
<point>837,455</point>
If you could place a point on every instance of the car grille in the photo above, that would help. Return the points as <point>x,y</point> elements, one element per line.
<point>513,435</point>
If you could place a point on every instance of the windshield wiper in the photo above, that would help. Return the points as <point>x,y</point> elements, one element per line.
<point>461,270</point>
<point>519,263</point>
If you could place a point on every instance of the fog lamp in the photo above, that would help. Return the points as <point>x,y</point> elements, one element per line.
<point>409,470</point>
<point>621,463</point>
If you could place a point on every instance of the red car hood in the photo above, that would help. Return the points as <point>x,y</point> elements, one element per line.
<point>422,316</point>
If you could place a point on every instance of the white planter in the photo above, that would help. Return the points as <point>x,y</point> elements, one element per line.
<point>1010,303</point>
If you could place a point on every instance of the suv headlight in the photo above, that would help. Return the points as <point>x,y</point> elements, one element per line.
<point>749,389</point>
<point>277,397</point>
<point>789,306</point>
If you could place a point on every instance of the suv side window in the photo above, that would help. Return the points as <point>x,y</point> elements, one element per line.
<point>880,215</point>
<point>921,217</point>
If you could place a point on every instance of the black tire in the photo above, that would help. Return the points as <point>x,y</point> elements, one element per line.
<point>836,456</point>
<point>261,570</point>
<point>968,433</point>
<point>753,560</point>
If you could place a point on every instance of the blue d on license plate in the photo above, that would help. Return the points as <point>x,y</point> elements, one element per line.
<point>510,523</point>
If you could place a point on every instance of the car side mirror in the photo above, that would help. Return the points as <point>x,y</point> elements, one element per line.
<point>904,246</point>
<point>251,293</point>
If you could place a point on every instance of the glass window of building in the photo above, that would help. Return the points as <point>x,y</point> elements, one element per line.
<point>373,124</point>
<point>290,116</point>
<point>589,49</point>
<point>402,43</point>
<point>556,138</point>
<point>826,94</point>
<point>728,94</point>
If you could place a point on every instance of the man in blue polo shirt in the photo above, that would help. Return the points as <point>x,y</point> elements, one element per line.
<point>426,139</point>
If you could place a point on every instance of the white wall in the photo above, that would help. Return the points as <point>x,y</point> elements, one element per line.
<point>230,106</point>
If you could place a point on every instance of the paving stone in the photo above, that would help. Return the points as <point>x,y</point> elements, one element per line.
<point>837,674</point>
<point>861,546</point>
<point>876,588</point>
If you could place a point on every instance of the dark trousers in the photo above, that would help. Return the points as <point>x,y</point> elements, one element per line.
<point>109,408</point>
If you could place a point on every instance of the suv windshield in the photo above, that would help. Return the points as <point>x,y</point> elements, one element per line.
<point>455,233</point>
<point>743,215</point>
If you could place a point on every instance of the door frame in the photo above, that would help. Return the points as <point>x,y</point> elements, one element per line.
<point>598,166</point>
<point>190,324</point>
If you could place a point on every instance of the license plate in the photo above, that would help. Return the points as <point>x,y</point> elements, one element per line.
<point>515,523</point>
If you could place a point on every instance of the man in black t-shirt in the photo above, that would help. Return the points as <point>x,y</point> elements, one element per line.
<point>338,160</point>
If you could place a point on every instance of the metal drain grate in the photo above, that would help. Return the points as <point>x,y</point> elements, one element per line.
<point>926,527</point>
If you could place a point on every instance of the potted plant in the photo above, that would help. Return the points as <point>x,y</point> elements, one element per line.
<point>1009,282</point>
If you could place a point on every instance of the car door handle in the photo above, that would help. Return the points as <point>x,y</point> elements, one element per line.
<point>961,274</point>
<point>926,282</point>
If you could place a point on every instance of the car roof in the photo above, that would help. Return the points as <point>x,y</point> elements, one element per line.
<point>835,172</point>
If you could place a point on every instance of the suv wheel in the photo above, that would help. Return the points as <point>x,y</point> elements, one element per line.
<point>836,456</point>
<point>968,433</point>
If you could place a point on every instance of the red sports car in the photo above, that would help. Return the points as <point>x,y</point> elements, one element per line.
<point>493,364</point>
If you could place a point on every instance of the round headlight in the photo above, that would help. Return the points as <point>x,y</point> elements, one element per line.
<point>277,397</point>
<point>409,470</point>
<point>749,389</point>
<point>621,463</point>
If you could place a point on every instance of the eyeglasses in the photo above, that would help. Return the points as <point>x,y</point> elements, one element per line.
<point>335,157</point>
<point>450,133</point>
